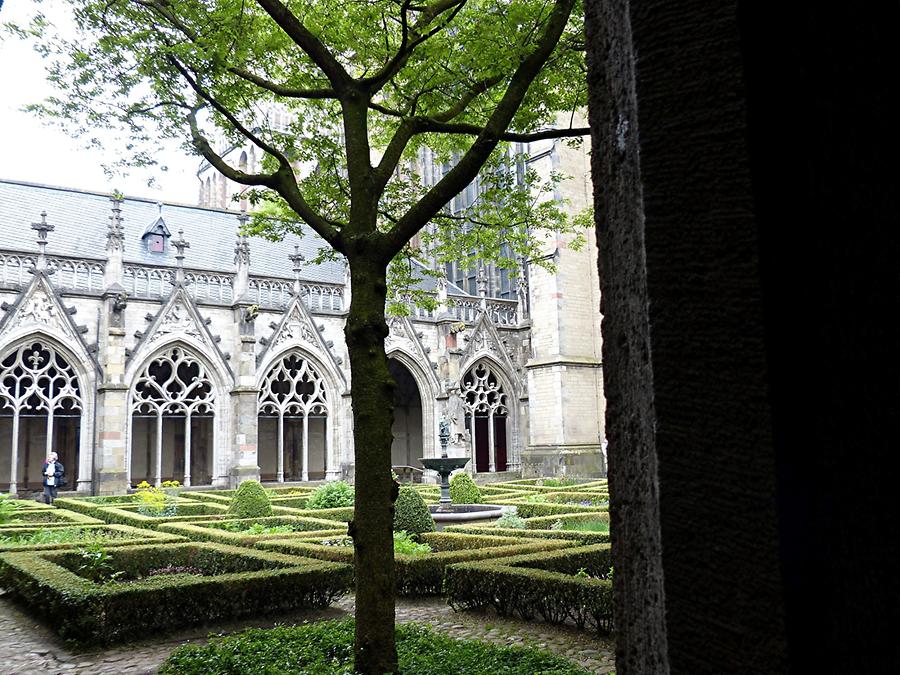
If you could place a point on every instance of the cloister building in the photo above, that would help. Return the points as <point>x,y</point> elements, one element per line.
<point>143,341</point>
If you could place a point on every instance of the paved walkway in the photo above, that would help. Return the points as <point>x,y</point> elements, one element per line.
<point>27,646</point>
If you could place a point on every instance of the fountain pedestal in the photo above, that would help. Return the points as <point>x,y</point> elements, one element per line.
<point>444,466</point>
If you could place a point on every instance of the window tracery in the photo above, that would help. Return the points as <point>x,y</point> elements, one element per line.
<point>174,383</point>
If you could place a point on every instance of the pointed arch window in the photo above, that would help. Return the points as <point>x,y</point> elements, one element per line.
<point>293,391</point>
<point>173,385</point>
<point>40,400</point>
<point>486,417</point>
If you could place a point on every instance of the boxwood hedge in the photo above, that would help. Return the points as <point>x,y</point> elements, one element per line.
<point>50,517</point>
<point>238,582</point>
<point>17,539</point>
<point>423,574</point>
<point>559,586</point>
<point>568,535</point>
<point>225,532</point>
<point>187,511</point>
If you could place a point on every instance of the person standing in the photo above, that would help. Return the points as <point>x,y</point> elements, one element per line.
<point>53,471</point>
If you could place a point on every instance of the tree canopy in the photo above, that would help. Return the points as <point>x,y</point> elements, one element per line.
<point>339,98</point>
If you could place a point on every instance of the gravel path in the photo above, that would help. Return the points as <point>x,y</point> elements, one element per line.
<point>27,646</point>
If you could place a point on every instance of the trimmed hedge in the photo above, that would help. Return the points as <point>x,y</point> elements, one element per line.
<point>568,535</point>
<point>423,574</point>
<point>463,489</point>
<point>90,505</point>
<point>218,530</point>
<point>527,509</point>
<point>250,501</point>
<point>190,511</point>
<point>326,648</point>
<point>48,518</point>
<point>411,514</point>
<point>544,584</point>
<point>545,522</point>
<point>123,536</point>
<point>242,582</point>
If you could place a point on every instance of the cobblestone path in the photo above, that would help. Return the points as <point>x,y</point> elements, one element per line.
<point>28,647</point>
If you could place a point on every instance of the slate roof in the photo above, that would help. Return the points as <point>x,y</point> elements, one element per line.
<point>81,219</point>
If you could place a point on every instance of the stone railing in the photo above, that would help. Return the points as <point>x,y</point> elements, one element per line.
<point>503,312</point>
<point>78,276</point>
<point>277,294</point>
<point>14,269</point>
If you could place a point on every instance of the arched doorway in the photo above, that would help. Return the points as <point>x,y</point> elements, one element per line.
<point>172,415</point>
<point>407,447</point>
<point>40,412</point>
<point>486,417</point>
<point>293,421</point>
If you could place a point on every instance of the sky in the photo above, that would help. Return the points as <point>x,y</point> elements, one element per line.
<point>33,152</point>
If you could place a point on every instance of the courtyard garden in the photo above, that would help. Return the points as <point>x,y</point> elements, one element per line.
<point>160,564</point>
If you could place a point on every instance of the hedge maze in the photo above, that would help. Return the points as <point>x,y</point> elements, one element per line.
<point>104,568</point>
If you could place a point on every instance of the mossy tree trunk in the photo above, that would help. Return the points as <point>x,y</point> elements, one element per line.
<point>372,525</point>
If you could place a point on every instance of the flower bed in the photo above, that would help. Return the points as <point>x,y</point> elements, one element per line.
<point>28,518</point>
<point>248,531</point>
<point>232,582</point>
<point>326,648</point>
<point>185,511</point>
<point>571,585</point>
<point>568,535</point>
<point>90,505</point>
<point>73,536</point>
<point>423,574</point>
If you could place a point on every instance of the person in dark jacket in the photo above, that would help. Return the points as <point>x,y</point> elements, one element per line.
<point>53,472</point>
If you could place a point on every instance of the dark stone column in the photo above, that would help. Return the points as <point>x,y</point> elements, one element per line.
<point>750,366</point>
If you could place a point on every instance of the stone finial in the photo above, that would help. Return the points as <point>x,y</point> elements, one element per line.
<point>115,233</point>
<point>42,228</point>
<point>297,261</point>
<point>180,245</point>
<point>482,285</point>
<point>242,252</point>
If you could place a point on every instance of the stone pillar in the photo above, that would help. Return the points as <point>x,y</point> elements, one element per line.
<point>565,381</point>
<point>244,433</point>
<point>110,467</point>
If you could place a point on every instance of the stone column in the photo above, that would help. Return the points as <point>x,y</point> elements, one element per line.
<point>244,432</point>
<point>110,466</point>
<point>565,383</point>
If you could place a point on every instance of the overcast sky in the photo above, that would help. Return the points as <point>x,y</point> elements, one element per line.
<point>30,151</point>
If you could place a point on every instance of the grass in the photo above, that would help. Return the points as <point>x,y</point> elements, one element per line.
<point>584,526</point>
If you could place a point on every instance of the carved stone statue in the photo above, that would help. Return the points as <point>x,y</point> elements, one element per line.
<point>250,313</point>
<point>120,302</point>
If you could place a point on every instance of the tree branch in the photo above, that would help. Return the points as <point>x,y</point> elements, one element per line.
<point>487,138</point>
<point>309,43</point>
<point>429,125</point>
<point>281,90</point>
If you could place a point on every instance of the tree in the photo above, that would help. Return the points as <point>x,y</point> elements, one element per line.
<point>380,78</point>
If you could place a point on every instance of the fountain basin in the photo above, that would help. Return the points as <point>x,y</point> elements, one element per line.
<point>463,514</point>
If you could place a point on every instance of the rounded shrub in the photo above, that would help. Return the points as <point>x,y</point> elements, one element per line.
<point>463,489</point>
<point>411,512</point>
<point>332,495</point>
<point>250,501</point>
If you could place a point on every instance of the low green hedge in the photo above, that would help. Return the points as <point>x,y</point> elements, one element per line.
<point>423,574</point>
<point>326,648</point>
<point>77,535</point>
<point>526,509</point>
<point>545,522</point>
<point>216,497</point>
<point>89,505</point>
<point>240,582</point>
<point>559,586</point>
<point>568,535</point>
<point>50,517</point>
<point>187,511</point>
<point>219,530</point>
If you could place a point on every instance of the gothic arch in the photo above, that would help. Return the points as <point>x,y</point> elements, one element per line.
<point>428,389</point>
<point>299,408</point>
<point>481,399</point>
<point>67,392</point>
<point>176,381</point>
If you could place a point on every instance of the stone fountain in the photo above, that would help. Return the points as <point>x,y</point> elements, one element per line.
<point>445,512</point>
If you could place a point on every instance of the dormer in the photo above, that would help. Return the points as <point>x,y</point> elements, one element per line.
<point>156,234</point>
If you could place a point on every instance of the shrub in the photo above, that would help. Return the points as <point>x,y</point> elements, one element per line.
<point>326,648</point>
<point>17,538</point>
<point>250,501</point>
<point>8,510</point>
<point>510,520</point>
<point>404,544</point>
<point>248,531</point>
<point>463,489</point>
<point>331,496</point>
<point>411,512</point>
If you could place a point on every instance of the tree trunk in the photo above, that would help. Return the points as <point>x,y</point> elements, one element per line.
<point>372,526</point>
